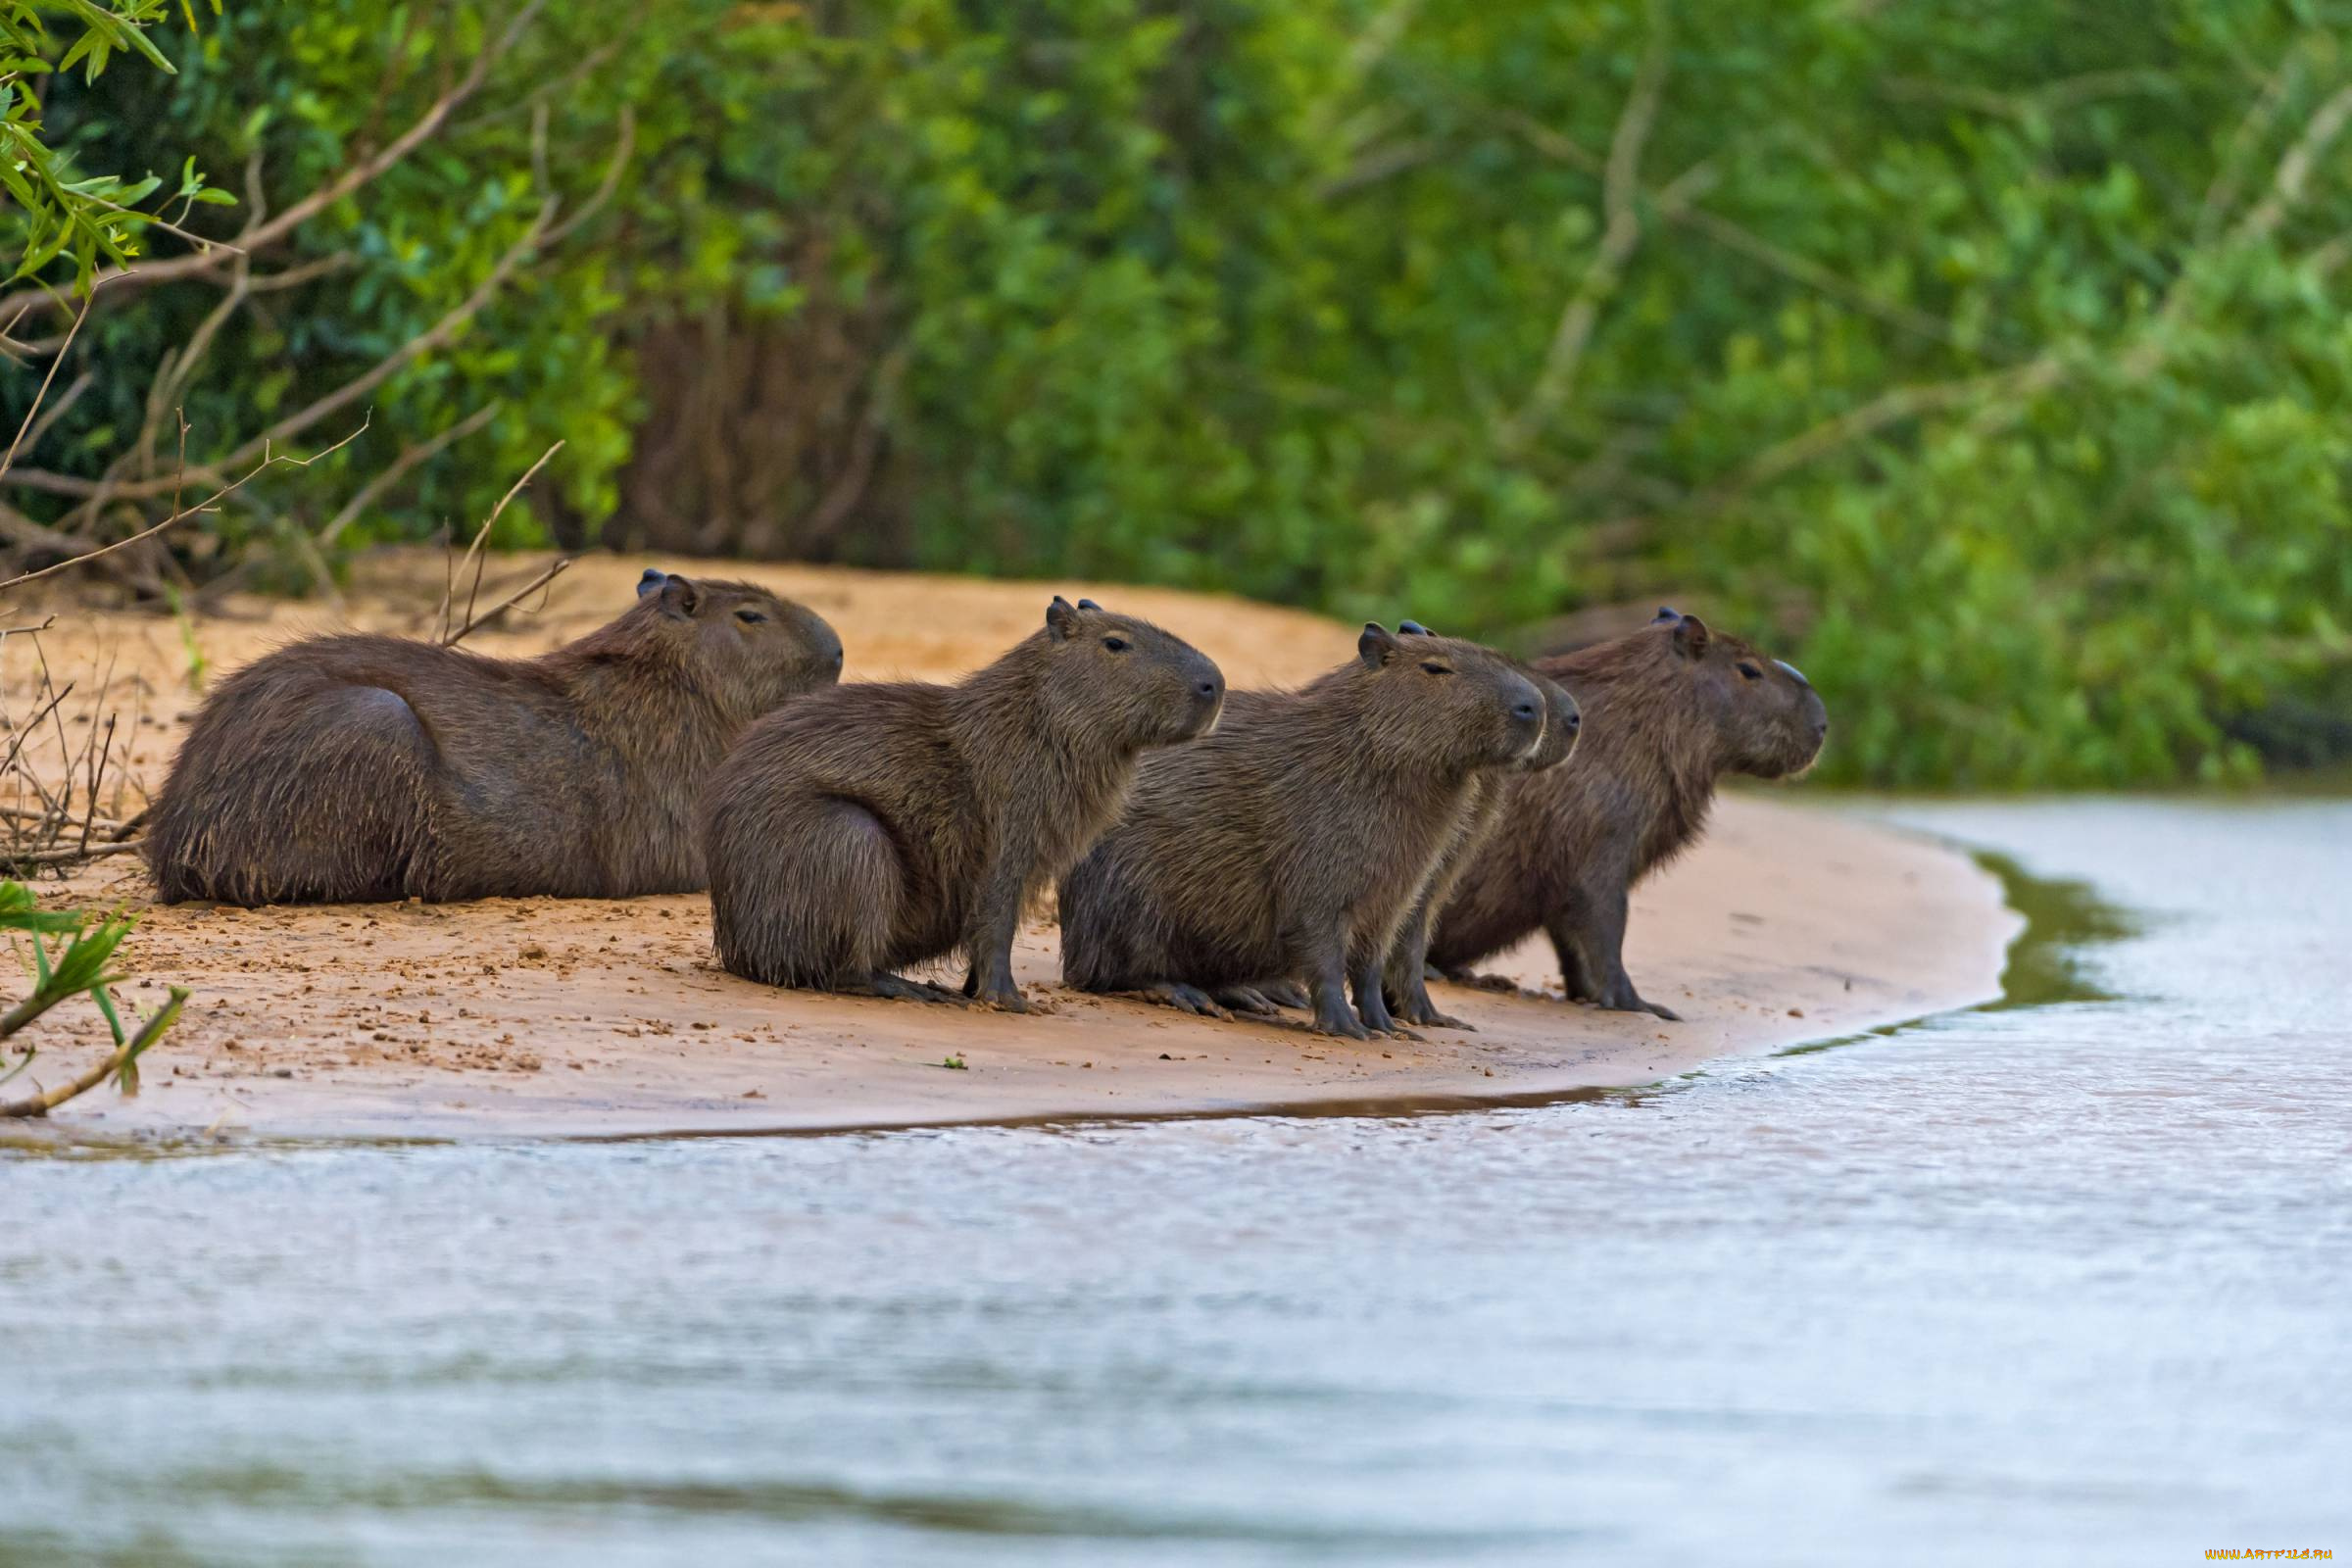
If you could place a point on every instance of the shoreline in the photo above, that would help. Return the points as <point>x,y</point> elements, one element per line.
<point>1786,924</point>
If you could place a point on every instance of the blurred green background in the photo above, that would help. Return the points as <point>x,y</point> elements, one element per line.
<point>1990,360</point>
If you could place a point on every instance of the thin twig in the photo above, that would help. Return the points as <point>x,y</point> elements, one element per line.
<point>79,316</point>
<point>555,569</point>
<point>205,505</point>
<point>473,550</point>
<point>70,855</point>
<point>410,457</point>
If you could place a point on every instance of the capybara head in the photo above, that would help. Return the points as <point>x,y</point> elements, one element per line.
<point>1441,697</point>
<point>1129,679</point>
<point>1562,718</point>
<point>753,649</point>
<point>1767,717</point>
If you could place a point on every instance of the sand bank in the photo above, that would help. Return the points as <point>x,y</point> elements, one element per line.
<point>560,1017</point>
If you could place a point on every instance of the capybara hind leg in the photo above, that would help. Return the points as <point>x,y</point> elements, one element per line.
<point>336,807</point>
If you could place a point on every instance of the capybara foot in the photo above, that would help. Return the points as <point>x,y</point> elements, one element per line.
<point>898,987</point>
<point>1623,999</point>
<point>1397,1031</point>
<point>1341,1023</point>
<point>1185,999</point>
<point>1435,1020</point>
<point>1001,996</point>
<point>1286,994</point>
<point>1246,1000</point>
<point>1483,982</point>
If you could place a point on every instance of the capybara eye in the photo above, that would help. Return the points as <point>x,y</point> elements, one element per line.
<point>750,617</point>
<point>1434,669</point>
<point>1117,645</point>
<point>1750,670</point>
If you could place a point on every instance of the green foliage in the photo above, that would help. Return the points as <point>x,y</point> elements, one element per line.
<point>59,212</point>
<point>1992,363</point>
<point>70,956</point>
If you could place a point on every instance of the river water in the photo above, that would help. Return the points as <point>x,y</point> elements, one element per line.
<point>2064,1281</point>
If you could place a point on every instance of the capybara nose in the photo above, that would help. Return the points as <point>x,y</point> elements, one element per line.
<point>1576,721</point>
<point>1205,690</point>
<point>1526,713</point>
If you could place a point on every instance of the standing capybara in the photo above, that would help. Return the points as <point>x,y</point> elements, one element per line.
<point>881,825</point>
<point>1290,845</point>
<point>355,767</point>
<point>1668,712</point>
<point>1482,814</point>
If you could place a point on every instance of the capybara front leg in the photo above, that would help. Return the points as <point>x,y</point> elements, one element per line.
<point>1604,948</point>
<point>1407,982</point>
<point>1328,966</point>
<point>988,937</point>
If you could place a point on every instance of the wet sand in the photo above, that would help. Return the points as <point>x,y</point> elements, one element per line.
<point>576,1017</point>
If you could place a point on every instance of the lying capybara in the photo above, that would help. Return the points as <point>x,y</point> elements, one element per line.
<point>1407,986</point>
<point>360,767</point>
<point>1668,712</point>
<point>1291,844</point>
<point>880,826</point>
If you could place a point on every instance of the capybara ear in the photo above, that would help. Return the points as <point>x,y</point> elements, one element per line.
<point>1062,618</point>
<point>1665,612</point>
<point>679,597</point>
<point>1413,629</point>
<point>1376,647</point>
<point>1088,604</point>
<point>654,578</point>
<point>1690,637</point>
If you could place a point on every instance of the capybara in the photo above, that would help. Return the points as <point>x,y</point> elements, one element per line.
<point>880,826</point>
<point>360,766</point>
<point>1668,712</point>
<point>1407,986</point>
<point>1290,844</point>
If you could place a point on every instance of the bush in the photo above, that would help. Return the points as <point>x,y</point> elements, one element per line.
<point>1993,362</point>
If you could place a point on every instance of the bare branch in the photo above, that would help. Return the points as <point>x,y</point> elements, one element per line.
<point>410,457</point>
<point>205,505</point>
<point>473,550</point>
<point>1621,231</point>
<point>25,424</point>
<point>555,569</point>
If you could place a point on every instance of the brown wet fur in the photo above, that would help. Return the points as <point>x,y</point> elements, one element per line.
<point>1668,712</point>
<point>886,824</point>
<point>365,767</point>
<point>1290,845</point>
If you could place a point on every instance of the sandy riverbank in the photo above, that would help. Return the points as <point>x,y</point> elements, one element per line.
<point>574,1017</point>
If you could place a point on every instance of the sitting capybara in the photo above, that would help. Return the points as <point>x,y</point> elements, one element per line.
<point>880,826</point>
<point>1291,844</point>
<point>360,766</point>
<point>1408,987</point>
<point>1668,712</point>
